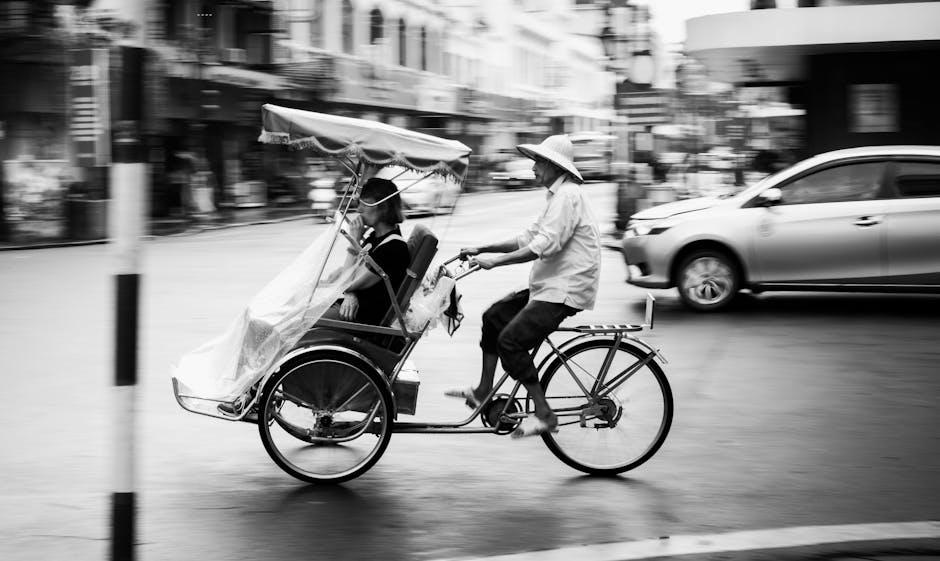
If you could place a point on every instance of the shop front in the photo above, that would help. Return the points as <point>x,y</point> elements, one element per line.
<point>205,154</point>
<point>34,153</point>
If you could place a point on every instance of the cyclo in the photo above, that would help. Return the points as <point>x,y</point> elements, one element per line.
<point>327,395</point>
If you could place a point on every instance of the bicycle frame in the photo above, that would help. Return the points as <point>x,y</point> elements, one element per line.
<point>593,395</point>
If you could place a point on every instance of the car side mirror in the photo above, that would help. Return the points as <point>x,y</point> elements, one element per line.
<point>770,197</point>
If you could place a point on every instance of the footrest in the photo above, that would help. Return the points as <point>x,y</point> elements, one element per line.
<point>210,407</point>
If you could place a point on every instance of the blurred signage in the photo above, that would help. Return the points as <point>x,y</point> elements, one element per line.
<point>437,98</point>
<point>89,115</point>
<point>358,83</point>
<point>873,107</point>
<point>644,107</point>
<point>474,102</point>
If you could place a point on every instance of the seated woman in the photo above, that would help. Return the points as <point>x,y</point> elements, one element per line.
<point>367,299</point>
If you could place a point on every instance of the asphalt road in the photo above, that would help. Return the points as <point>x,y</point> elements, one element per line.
<point>791,410</point>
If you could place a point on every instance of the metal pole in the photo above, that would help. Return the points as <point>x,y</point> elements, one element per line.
<point>127,210</point>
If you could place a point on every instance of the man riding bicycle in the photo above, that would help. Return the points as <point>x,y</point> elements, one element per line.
<point>565,245</point>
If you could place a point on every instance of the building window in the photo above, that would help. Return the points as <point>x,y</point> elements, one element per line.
<point>376,27</point>
<point>424,48</point>
<point>873,108</point>
<point>348,18</point>
<point>763,4</point>
<point>170,20</point>
<point>316,23</point>
<point>402,43</point>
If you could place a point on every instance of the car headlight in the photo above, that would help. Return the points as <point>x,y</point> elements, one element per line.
<point>652,227</point>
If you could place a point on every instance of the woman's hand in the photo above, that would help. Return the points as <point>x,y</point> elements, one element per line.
<point>349,307</point>
<point>356,227</point>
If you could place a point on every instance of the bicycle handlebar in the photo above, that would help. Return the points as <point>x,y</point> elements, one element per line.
<point>462,270</point>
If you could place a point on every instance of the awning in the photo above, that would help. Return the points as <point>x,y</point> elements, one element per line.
<point>243,77</point>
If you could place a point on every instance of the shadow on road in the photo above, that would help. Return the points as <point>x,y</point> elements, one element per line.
<point>655,500</point>
<point>325,493</point>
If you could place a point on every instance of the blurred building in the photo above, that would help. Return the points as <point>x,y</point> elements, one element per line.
<point>490,73</point>
<point>860,69</point>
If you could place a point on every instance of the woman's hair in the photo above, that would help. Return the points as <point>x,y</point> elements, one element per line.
<point>377,189</point>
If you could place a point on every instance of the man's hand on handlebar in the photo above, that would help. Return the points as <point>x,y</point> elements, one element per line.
<point>484,262</point>
<point>468,252</point>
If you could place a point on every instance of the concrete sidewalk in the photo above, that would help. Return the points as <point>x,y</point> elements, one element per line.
<point>160,227</point>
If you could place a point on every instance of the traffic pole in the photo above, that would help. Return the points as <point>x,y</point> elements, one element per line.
<point>128,183</point>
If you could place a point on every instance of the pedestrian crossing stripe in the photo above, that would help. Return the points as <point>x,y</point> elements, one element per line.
<point>748,540</point>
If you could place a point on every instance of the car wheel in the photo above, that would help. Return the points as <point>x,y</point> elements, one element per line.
<point>707,280</point>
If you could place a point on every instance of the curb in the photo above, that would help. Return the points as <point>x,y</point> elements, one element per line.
<point>193,230</point>
<point>861,548</point>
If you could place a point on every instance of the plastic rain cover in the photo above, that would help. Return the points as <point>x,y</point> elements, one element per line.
<point>226,367</point>
<point>433,304</point>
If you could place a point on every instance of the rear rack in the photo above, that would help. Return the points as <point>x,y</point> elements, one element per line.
<point>605,328</point>
<point>618,327</point>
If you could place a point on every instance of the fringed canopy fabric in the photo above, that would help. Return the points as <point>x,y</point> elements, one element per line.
<point>374,143</point>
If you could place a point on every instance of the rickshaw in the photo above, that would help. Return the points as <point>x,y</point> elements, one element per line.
<point>333,392</point>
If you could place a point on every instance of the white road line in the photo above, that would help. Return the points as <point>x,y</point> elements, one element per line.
<point>797,536</point>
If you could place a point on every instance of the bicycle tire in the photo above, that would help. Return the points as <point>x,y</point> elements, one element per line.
<point>325,384</point>
<point>571,435</point>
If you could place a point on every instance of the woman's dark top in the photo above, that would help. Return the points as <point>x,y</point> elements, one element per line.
<point>394,258</point>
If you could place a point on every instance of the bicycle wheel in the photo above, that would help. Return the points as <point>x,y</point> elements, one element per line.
<point>621,426</point>
<point>325,417</point>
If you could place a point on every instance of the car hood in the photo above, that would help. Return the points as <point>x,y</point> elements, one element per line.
<point>678,207</point>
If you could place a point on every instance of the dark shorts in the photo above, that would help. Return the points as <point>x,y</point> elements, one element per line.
<point>513,326</point>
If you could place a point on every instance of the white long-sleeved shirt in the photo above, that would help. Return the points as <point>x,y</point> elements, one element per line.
<point>566,239</point>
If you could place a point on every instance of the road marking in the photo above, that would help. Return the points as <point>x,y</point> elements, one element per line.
<point>797,536</point>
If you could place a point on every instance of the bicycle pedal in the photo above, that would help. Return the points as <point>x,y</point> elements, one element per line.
<point>601,426</point>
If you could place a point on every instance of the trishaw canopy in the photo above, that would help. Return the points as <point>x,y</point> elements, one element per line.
<point>371,142</point>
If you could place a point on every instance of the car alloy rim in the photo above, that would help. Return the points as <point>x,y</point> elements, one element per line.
<point>707,280</point>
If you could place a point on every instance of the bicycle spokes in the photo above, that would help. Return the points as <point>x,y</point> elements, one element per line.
<point>622,422</point>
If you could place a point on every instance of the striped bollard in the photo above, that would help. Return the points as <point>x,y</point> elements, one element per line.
<point>129,192</point>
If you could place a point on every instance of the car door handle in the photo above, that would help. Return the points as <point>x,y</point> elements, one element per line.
<point>866,221</point>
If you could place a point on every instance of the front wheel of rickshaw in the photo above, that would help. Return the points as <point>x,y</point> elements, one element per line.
<point>325,417</point>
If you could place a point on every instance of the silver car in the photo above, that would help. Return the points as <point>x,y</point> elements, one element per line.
<point>860,219</point>
<point>423,193</point>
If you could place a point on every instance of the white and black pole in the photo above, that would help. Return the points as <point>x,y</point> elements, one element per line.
<point>129,193</point>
